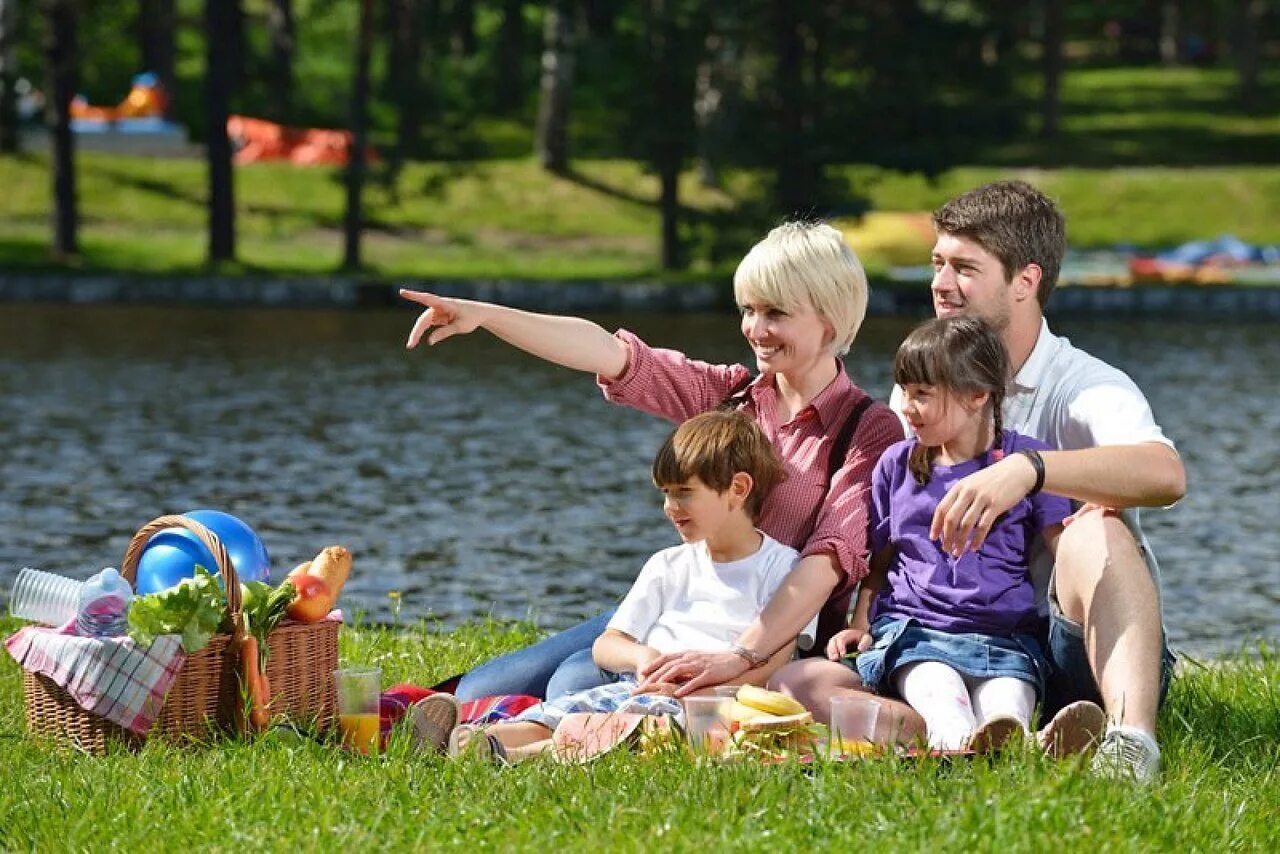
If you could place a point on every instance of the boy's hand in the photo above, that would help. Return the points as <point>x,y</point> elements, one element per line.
<point>452,316</point>
<point>850,641</point>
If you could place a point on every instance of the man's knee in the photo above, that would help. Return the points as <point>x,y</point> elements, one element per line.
<point>1092,546</point>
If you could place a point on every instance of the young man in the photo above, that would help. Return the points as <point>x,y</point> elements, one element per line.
<point>714,472</point>
<point>998,253</point>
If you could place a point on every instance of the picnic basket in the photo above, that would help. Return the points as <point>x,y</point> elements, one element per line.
<point>204,697</point>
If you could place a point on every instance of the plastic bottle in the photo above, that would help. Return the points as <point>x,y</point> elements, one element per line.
<point>104,605</point>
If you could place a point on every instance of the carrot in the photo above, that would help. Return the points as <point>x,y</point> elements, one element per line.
<point>255,684</point>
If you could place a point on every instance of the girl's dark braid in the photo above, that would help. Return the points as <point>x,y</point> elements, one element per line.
<point>997,417</point>
<point>921,463</point>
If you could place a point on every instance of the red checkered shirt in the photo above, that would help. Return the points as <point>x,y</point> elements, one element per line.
<point>670,385</point>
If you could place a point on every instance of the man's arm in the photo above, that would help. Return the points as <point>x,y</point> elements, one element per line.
<point>1149,474</point>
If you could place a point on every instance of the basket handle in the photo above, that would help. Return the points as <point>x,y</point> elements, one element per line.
<point>133,554</point>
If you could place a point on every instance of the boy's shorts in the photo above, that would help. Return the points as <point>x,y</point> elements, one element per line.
<point>1070,676</point>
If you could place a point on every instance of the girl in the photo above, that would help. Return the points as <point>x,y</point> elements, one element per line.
<point>952,633</point>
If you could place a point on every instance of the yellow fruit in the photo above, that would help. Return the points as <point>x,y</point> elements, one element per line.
<point>333,564</point>
<point>769,701</point>
<point>743,713</point>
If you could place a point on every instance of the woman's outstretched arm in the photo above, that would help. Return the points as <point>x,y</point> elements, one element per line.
<point>569,341</point>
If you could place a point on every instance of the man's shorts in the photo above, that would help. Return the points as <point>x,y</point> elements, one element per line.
<point>1070,676</point>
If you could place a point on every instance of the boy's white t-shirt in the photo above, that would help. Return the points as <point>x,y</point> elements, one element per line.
<point>683,600</point>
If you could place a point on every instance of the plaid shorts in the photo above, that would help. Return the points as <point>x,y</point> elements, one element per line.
<point>614,697</point>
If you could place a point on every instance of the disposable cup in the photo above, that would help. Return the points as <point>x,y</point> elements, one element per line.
<point>853,723</point>
<point>730,691</point>
<point>44,597</point>
<point>359,690</point>
<point>707,723</point>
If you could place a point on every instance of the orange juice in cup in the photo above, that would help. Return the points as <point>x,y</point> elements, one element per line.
<point>360,731</point>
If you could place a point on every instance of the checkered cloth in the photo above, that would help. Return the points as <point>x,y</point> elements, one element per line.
<point>111,677</point>
<point>614,697</point>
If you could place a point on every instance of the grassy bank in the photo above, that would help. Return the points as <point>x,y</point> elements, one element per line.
<point>507,218</point>
<point>1218,792</point>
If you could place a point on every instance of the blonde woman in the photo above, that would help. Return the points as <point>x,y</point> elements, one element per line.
<point>802,294</point>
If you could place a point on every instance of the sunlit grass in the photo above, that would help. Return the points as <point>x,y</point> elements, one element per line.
<point>1218,791</point>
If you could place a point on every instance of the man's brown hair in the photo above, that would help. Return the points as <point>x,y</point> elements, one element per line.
<point>713,447</point>
<point>1014,222</point>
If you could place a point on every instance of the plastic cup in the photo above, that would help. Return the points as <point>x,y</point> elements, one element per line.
<point>44,597</point>
<point>707,723</point>
<point>853,723</point>
<point>730,691</point>
<point>359,690</point>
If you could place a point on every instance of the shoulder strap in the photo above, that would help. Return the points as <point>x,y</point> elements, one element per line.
<point>844,439</point>
<point>738,395</point>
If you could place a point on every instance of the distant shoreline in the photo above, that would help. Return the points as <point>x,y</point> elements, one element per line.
<point>888,298</point>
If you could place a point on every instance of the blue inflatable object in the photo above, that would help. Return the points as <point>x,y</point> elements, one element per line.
<point>173,554</point>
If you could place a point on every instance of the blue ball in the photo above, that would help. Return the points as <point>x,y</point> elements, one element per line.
<point>172,554</point>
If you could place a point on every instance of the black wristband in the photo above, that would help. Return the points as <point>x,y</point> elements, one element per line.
<point>1037,463</point>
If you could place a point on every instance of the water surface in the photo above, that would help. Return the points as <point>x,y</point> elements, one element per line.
<point>476,480</point>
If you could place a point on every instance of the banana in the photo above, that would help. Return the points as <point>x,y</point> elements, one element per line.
<point>742,713</point>
<point>768,701</point>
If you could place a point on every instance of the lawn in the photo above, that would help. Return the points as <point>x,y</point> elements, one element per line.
<point>1218,792</point>
<point>1150,157</point>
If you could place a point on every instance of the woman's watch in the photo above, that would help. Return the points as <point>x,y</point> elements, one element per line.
<point>753,659</point>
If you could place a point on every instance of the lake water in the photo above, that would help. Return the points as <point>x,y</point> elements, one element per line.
<point>477,481</point>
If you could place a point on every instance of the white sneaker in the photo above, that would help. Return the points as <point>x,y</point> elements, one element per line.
<point>1127,753</point>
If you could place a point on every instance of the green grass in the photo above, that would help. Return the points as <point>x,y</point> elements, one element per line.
<point>1218,792</point>
<point>1148,156</point>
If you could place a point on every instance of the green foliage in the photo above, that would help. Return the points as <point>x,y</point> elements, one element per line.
<point>194,608</point>
<point>1219,788</point>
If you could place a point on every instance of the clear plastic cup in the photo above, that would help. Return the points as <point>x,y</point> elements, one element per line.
<point>359,691</point>
<point>44,597</point>
<point>706,720</point>
<point>853,723</point>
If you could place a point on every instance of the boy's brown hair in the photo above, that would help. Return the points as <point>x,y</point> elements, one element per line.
<point>713,447</point>
<point>1014,222</point>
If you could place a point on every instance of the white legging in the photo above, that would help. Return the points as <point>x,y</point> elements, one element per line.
<point>954,706</point>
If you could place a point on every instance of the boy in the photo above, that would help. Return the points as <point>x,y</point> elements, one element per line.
<point>714,472</point>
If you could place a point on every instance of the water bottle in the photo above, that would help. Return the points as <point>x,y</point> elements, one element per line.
<point>104,605</point>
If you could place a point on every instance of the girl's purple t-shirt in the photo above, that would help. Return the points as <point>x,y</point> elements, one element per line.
<point>988,592</point>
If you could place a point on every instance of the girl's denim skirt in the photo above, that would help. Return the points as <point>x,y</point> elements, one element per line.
<point>899,642</point>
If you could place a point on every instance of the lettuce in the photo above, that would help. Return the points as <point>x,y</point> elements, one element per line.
<point>194,608</point>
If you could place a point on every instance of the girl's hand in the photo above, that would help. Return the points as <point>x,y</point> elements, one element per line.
<point>850,640</point>
<point>452,316</point>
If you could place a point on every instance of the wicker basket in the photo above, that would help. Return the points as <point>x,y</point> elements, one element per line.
<point>203,698</point>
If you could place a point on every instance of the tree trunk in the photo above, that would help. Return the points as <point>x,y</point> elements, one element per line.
<point>1247,18</point>
<point>510,94</point>
<point>1051,68</point>
<point>551,142</point>
<point>284,44</point>
<point>715,88</point>
<point>1170,28</point>
<point>8,76</point>
<point>220,26</point>
<point>60,60</point>
<point>668,153</point>
<point>462,28</point>
<point>156,26</point>
<point>352,223</point>
<point>794,192</point>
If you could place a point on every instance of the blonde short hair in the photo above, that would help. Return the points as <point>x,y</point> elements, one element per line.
<point>801,262</point>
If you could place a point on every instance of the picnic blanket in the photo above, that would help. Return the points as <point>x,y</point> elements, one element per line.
<point>397,699</point>
<point>110,677</point>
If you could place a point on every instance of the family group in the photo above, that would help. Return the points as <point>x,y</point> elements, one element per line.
<point>969,552</point>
